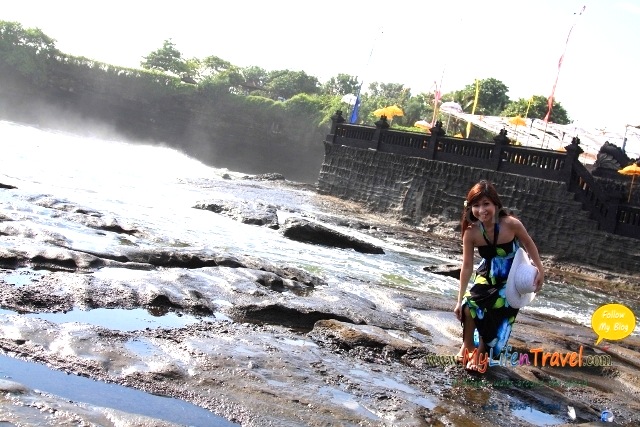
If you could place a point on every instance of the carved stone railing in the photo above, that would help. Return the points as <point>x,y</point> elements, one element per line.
<point>499,156</point>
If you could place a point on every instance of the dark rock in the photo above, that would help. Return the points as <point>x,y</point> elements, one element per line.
<point>173,259</point>
<point>347,335</point>
<point>266,177</point>
<point>450,270</point>
<point>228,261</point>
<point>52,259</point>
<point>287,272</point>
<point>245,212</point>
<point>283,315</point>
<point>306,231</point>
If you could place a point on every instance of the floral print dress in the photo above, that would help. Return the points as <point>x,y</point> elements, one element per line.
<point>486,299</point>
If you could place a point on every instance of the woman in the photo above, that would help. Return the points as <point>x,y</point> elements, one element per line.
<point>497,234</point>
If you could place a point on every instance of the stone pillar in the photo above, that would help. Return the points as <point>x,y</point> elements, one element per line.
<point>436,132</point>
<point>573,152</point>
<point>611,221</point>
<point>381,126</point>
<point>501,140</point>
<point>336,119</point>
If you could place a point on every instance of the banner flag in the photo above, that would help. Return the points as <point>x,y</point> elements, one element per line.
<point>553,91</point>
<point>354,113</point>
<point>436,102</point>
<point>473,109</point>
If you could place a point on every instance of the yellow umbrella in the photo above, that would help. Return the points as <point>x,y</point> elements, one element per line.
<point>423,124</point>
<point>517,121</point>
<point>380,112</point>
<point>633,170</point>
<point>394,110</point>
<point>391,111</point>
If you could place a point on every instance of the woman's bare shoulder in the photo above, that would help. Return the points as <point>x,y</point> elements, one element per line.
<point>511,221</point>
<point>473,233</point>
<point>514,225</point>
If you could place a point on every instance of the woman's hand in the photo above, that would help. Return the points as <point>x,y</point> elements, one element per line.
<point>458,311</point>
<point>539,280</point>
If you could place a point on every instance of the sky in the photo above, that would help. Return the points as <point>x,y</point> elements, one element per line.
<point>420,44</point>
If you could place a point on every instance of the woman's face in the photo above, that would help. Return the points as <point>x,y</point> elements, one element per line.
<point>484,209</point>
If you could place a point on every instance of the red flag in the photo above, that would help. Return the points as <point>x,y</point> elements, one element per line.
<point>553,91</point>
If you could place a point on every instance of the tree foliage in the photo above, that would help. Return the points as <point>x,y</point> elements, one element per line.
<point>341,85</point>
<point>284,84</point>
<point>419,107</point>
<point>380,95</point>
<point>30,51</point>
<point>255,78</point>
<point>537,109</point>
<point>390,93</point>
<point>27,50</point>
<point>167,58</point>
<point>492,97</point>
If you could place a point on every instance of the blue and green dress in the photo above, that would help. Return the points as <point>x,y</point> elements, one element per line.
<point>486,299</point>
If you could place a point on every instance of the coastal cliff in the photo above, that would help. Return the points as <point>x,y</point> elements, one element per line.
<point>246,134</point>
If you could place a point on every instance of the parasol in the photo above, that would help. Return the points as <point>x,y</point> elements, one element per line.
<point>391,111</point>
<point>423,124</point>
<point>633,170</point>
<point>349,99</point>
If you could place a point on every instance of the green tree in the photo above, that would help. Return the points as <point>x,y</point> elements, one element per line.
<point>215,65</point>
<point>167,59</point>
<point>253,81</point>
<point>419,107</point>
<point>341,85</point>
<point>285,84</point>
<point>492,97</point>
<point>537,110</point>
<point>390,93</point>
<point>254,77</point>
<point>27,50</point>
<point>310,106</point>
<point>379,95</point>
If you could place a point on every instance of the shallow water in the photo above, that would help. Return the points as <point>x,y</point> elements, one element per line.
<point>151,187</point>
<point>538,418</point>
<point>118,319</point>
<point>154,188</point>
<point>108,395</point>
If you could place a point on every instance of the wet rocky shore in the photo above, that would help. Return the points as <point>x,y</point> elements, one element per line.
<point>275,345</point>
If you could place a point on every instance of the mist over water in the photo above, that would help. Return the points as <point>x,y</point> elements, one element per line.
<point>151,187</point>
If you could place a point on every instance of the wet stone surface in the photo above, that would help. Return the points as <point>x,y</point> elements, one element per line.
<point>262,342</point>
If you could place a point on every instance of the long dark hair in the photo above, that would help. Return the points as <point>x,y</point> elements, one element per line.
<point>482,189</point>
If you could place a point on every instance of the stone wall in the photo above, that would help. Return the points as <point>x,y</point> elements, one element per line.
<point>413,189</point>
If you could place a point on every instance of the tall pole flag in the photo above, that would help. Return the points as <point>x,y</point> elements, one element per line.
<point>553,91</point>
<point>437,94</point>
<point>473,109</point>
<point>353,117</point>
<point>356,107</point>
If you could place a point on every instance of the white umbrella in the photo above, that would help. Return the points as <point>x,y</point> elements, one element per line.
<point>349,99</point>
<point>451,106</point>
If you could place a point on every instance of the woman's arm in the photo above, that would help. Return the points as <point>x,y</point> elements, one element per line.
<point>465,271</point>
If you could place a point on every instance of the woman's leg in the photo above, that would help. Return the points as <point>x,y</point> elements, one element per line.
<point>468,326</point>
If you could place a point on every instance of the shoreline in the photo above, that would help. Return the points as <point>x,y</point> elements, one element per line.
<point>299,352</point>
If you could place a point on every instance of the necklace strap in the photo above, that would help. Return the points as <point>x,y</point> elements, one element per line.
<point>496,231</point>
